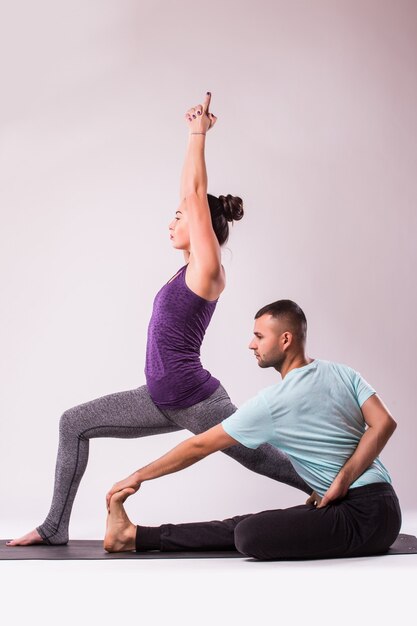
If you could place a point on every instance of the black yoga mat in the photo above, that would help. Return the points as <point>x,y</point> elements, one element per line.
<point>93,550</point>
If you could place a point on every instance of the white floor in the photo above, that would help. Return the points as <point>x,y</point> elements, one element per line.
<point>380,590</point>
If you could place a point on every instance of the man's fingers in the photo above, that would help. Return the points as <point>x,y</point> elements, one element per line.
<point>324,502</point>
<point>207,101</point>
<point>109,496</point>
<point>130,491</point>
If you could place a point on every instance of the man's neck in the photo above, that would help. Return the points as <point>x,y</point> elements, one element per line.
<point>293,362</point>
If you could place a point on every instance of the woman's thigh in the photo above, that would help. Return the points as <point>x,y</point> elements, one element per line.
<point>204,414</point>
<point>125,414</point>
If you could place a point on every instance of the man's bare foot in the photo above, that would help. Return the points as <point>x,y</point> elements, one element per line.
<point>30,539</point>
<point>120,532</point>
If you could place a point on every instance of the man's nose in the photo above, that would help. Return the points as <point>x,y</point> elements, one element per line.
<point>251,346</point>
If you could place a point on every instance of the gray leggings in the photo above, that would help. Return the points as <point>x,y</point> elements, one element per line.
<point>131,414</point>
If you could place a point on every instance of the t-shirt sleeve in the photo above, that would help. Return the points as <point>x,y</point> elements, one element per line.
<point>363,390</point>
<point>251,424</point>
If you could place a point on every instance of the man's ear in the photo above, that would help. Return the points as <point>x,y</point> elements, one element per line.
<point>287,339</point>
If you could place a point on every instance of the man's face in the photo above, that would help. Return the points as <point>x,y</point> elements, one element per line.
<point>269,342</point>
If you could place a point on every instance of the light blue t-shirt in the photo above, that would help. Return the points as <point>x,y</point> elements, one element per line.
<point>313,416</point>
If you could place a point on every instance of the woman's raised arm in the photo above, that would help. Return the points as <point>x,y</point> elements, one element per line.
<point>205,258</point>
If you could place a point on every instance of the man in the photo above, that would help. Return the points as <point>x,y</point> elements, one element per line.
<point>318,416</point>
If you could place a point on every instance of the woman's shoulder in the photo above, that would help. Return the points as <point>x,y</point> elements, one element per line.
<point>206,285</point>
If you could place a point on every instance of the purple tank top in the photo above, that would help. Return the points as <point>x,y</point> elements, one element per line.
<point>173,370</point>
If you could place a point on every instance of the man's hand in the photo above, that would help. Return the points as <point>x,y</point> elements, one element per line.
<point>338,489</point>
<point>314,499</point>
<point>131,482</point>
<point>381,425</point>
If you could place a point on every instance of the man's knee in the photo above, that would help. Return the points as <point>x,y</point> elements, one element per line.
<point>256,536</point>
<point>248,540</point>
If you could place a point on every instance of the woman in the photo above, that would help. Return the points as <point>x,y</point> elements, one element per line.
<point>179,393</point>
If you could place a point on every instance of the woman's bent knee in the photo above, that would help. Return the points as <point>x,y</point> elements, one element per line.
<point>71,421</point>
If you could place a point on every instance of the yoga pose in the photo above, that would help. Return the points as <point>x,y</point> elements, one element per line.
<point>179,393</point>
<point>317,416</point>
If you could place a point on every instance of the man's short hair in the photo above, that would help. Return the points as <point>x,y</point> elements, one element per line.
<point>289,312</point>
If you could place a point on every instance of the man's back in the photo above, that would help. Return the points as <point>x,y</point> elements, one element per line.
<point>314,416</point>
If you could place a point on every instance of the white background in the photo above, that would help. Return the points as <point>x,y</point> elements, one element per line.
<point>317,133</point>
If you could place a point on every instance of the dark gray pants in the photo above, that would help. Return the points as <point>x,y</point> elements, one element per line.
<point>367,521</point>
<point>131,414</point>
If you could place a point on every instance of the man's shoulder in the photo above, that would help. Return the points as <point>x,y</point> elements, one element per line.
<point>346,374</point>
<point>270,393</point>
<point>335,366</point>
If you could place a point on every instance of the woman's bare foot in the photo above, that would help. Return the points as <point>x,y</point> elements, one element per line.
<point>30,539</point>
<point>120,532</point>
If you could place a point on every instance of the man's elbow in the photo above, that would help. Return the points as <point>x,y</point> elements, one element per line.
<point>201,447</point>
<point>391,425</point>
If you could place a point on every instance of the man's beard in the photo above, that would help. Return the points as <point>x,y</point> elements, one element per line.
<point>275,362</point>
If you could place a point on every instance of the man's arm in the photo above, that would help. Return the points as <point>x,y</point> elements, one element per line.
<point>185,454</point>
<point>381,425</point>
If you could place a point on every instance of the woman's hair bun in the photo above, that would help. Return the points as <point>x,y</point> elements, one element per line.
<point>232,207</point>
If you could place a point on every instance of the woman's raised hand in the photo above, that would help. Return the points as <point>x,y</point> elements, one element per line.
<point>199,118</point>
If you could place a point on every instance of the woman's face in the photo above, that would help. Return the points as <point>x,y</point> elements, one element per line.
<point>178,229</point>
